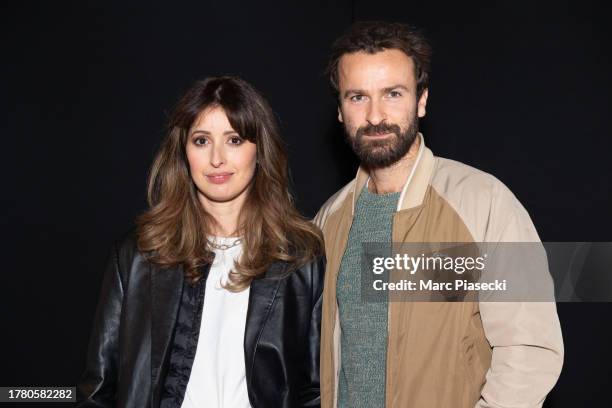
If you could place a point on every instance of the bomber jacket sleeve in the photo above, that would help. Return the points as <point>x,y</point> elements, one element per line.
<point>97,386</point>
<point>525,336</point>
<point>310,394</point>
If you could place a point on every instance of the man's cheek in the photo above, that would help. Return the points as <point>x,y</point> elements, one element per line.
<point>350,127</point>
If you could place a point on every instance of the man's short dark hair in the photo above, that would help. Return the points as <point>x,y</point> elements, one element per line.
<point>376,36</point>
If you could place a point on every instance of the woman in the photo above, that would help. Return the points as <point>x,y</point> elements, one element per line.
<point>215,301</point>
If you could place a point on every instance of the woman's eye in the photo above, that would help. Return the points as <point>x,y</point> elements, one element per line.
<point>199,141</point>
<point>236,140</point>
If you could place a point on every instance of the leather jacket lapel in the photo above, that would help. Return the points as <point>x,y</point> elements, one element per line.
<point>166,292</point>
<point>261,298</point>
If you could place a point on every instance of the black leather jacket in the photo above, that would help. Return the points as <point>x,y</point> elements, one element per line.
<point>127,359</point>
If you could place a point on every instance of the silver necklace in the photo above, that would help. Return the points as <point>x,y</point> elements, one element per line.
<point>223,247</point>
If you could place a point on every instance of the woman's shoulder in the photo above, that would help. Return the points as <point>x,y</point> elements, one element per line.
<point>125,252</point>
<point>315,270</point>
<point>126,246</point>
<point>308,274</point>
<point>315,265</point>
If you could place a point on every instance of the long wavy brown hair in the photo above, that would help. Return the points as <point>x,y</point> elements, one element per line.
<point>174,230</point>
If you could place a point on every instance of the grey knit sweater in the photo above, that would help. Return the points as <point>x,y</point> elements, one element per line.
<point>364,325</point>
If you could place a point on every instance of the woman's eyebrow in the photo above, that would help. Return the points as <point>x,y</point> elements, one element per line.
<point>206,132</point>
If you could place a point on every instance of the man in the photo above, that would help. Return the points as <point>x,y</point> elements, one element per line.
<point>418,354</point>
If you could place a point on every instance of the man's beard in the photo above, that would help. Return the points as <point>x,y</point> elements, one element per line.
<point>376,154</point>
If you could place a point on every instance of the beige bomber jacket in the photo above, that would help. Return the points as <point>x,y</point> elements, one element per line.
<point>448,354</point>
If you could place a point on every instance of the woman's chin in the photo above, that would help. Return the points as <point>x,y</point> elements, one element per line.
<point>220,196</point>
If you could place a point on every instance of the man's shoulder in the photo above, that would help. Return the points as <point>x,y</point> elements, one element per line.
<point>484,202</point>
<point>459,181</point>
<point>455,174</point>
<point>332,204</point>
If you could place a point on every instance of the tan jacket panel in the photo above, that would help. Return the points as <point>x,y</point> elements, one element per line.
<point>525,336</point>
<point>440,352</point>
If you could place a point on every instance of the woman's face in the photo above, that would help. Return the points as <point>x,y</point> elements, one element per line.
<point>222,163</point>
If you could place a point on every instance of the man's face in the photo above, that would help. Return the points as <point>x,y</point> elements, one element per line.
<point>379,106</point>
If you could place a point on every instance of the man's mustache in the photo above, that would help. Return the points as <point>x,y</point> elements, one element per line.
<point>381,128</point>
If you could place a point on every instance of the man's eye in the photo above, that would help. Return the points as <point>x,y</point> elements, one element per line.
<point>357,98</point>
<point>395,94</point>
<point>235,140</point>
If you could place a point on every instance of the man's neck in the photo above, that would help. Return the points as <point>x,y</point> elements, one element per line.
<point>392,179</point>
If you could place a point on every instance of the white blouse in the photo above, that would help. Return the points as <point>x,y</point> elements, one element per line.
<point>218,375</point>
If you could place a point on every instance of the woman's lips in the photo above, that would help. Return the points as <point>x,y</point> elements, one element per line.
<point>218,178</point>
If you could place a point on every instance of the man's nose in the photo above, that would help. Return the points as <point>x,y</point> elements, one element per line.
<point>375,114</point>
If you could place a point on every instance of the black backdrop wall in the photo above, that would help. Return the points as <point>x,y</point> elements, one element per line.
<point>519,89</point>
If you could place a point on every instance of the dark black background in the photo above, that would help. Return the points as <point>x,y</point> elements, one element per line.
<point>519,89</point>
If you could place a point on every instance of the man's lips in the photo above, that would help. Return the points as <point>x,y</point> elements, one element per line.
<point>218,178</point>
<point>378,135</point>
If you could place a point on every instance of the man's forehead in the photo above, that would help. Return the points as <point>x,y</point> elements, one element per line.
<point>379,70</point>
